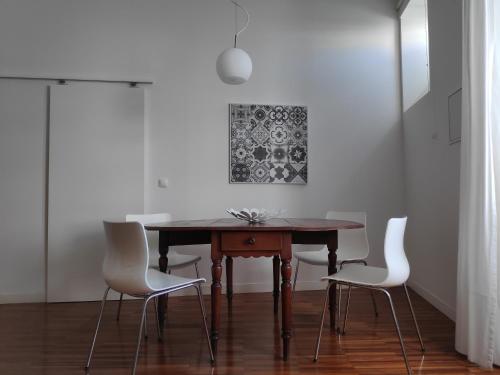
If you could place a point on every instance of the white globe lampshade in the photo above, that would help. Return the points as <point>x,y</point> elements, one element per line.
<point>234,66</point>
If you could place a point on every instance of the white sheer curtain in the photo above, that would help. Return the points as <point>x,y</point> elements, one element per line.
<point>478,284</point>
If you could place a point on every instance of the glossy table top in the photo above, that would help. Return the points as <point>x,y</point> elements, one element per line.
<point>279,224</point>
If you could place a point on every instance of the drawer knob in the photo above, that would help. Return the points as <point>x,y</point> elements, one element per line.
<point>251,241</point>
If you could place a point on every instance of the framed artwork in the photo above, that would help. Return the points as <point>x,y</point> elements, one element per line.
<point>268,144</point>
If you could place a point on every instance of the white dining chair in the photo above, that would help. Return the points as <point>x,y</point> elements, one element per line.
<point>352,248</point>
<point>379,279</point>
<point>125,270</point>
<point>175,259</point>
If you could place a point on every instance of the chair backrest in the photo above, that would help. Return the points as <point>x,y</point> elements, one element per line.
<point>352,242</point>
<point>150,219</point>
<point>127,257</point>
<point>398,268</point>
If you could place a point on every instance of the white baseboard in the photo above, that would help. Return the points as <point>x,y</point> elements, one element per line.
<point>434,300</point>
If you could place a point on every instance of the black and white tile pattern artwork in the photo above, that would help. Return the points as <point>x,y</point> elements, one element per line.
<point>268,144</point>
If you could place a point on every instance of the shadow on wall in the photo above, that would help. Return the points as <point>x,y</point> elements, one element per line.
<point>375,186</point>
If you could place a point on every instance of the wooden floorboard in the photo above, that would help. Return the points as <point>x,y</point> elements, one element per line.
<point>54,339</point>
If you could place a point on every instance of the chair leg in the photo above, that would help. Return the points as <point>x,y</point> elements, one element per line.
<point>97,328</point>
<point>338,307</point>
<point>396,323</point>
<point>139,337</point>
<point>202,308</point>
<point>339,290</point>
<point>158,328</point>
<point>414,319</point>
<point>347,308</point>
<point>295,278</point>
<point>372,296</point>
<point>119,307</point>
<point>196,270</point>
<point>318,341</point>
<point>146,325</point>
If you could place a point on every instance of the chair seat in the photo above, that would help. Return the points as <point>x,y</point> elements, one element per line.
<point>175,260</point>
<point>161,281</point>
<point>320,258</point>
<point>361,275</point>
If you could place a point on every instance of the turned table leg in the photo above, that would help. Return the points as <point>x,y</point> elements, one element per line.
<point>286,293</point>
<point>163,264</point>
<point>229,281</point>
<point>332,268</point>
<point>276,282</point>
<point>216,288</point>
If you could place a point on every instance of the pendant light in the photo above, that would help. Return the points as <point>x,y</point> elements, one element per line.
<point>234,65</point>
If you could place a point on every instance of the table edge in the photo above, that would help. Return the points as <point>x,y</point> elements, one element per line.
<point>253,227</point>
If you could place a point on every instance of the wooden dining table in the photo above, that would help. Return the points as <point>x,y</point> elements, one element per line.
<point>236,238</point>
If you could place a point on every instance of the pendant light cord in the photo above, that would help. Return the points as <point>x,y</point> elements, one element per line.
<point>246,23</point>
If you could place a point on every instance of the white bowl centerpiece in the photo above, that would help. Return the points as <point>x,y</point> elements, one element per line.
<point>254,215</point>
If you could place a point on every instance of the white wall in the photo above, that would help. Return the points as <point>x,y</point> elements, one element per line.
<point>88,187</point>
<point>433,165</point>
<point>23,114</point>
<point>340,58</point>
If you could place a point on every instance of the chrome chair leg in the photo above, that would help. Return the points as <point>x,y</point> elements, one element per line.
<point>146,325</point>
<point>204,316</point>
<point>396,323</point>
<point>372,296</point>
<point>97,328</point>
<point>318,341</point>
<point>414,319</point>
<point>139,337</point>
<point>339,287</point>
<point>119,307</point>
<point>197,271</point>
<point>295,278</point>
<point>347,308</point>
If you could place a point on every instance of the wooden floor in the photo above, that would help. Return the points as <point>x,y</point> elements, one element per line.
<point>54,339</point>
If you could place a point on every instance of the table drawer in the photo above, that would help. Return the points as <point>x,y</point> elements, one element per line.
<point>251,241</point>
